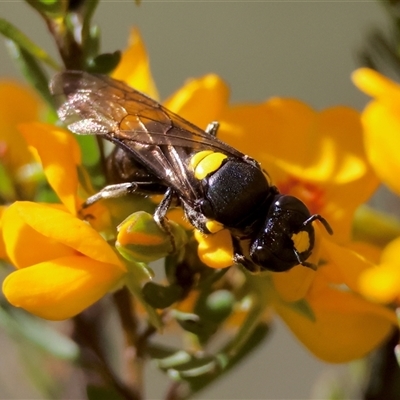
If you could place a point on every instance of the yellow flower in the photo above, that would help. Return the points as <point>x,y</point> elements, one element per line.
<point>381,125</point>
<point>19,104</point>
<point>315,156</point>
<point>63,264</point>
<point>382,283</point>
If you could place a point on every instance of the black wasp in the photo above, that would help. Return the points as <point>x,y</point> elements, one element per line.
<point>158,152</point>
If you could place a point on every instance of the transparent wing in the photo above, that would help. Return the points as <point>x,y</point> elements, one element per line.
<point>155,136</point>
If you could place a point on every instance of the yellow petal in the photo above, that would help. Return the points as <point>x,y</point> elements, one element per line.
<point>294,284</point>
<point>382,142</point>
<point>347,264</point>
<point>201,100</point>
<point>382,283</point>
<point>134,67</point>
<point>24,245</point>
<point>3,254</point>
<point>60,155</point>
<point>18,105</point>
<point>216,251</point>
<point>346,327</point>
<point>60,288</point>
<point>57,227</point>
<point>377,85</point>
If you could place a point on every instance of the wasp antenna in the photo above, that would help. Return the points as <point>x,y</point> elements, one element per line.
<point>321,219</point>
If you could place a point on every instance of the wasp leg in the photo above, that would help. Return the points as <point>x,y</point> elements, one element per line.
<point>111,192</point>
<point>321,219</point>
<point>240,258</point>
<point>122,189</point>
<point>160,215</point>
<point>212,128</point>
<point>304,263</point>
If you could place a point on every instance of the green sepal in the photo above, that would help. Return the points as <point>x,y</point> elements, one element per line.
<point>137,274</point>
<point>104,63</point>
<point>160,296</point>
<point>31,70</point>
<point>21,40</point>
<point>302,307</point>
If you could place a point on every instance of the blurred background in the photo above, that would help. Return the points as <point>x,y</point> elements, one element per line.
<point>301,49</point>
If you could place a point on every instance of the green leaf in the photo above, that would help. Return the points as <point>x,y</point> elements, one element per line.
<point>161,296</point>
<point>195,324</point>
<point>104,63</point>
<point>22,326</point>
<point>225,362</point>
<point>90,34</point>
<point>22,41</point>
<point>52,8</point>
<point>32,71</point>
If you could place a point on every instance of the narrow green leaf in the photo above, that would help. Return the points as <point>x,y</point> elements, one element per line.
<point>22,41</point>
<point>52,8</point>
<point>21,325</point>
<point>32,71</point>
<point>225,362</point>
<point>161,296</point>
<point>90,35</point>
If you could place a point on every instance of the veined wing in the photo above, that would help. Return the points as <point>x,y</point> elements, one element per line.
<point>157,137</point>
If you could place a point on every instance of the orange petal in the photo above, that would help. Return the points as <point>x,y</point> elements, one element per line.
<point>134,67</point>
<point>60,155</point>
<point>60,288</point>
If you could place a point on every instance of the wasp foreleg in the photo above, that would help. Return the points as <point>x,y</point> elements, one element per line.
<point>160,215</point>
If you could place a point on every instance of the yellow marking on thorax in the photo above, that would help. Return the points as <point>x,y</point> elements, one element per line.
<point>208,164</point>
